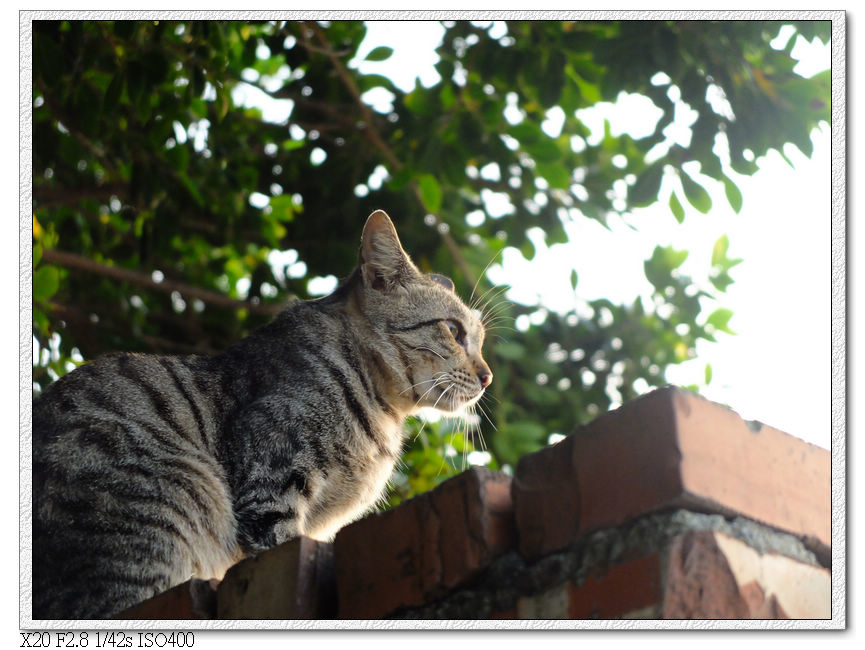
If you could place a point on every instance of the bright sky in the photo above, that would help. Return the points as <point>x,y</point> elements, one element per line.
<point>776,368</point>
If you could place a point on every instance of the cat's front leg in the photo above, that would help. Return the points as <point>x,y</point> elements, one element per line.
<point>263,524</point>
<point>260,458</point>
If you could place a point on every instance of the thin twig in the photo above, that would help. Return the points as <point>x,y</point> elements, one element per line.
<point>80,263</point>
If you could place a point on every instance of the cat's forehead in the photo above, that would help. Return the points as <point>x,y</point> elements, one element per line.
<point>436,297</point>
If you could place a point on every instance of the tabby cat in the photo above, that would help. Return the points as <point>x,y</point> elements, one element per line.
<point>149,470</point>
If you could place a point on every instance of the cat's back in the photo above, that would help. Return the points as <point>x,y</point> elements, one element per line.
<point>123,469</point>
<point>171,396</point>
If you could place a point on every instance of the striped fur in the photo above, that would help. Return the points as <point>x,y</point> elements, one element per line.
<point>150,470</point>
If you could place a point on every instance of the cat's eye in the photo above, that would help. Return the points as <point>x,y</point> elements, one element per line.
<point>456,331</point>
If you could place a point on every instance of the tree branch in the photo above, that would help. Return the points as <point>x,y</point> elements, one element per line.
<point>80,263</point>
<point>50,196</point>
<point>371,133</point>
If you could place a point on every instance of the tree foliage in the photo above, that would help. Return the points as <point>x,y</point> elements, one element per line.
<point>170,216</point>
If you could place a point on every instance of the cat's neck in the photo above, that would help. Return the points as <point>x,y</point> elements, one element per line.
<point>380,357</point>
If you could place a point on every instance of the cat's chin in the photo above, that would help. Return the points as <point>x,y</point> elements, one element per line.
<point>458,408</point>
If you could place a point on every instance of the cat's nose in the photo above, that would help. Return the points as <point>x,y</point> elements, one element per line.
<point>485,377</point>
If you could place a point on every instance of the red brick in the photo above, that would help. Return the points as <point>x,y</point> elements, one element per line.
<point>711,576</point>
<point>292,581</point>
<point>193,599</point>
<point>546,500</point>
<point>624,590</point>
<point>417,552</point>
<point>669,449</point>
<point>699,581</point>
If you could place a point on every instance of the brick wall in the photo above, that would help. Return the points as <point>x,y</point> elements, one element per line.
<point>670,507</point>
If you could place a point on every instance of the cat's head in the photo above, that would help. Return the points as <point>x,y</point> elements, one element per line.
<point>437,339</point>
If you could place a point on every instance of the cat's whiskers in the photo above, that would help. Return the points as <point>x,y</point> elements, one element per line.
<point>444,392</point>
<point>489,295</point>
<point>441,379</point>
<point>480,277</point>
<point>486,416</point>
<point>431,350</point>
<point>467,433</point>
<point>425,381</point>
<point>497,309</point>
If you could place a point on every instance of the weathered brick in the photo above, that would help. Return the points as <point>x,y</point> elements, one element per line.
<point>629,589</point>
<point>428,545</point>
<point>669,449</point>
<point>193,599</point>
<point>693,575</point>
<point>292,581</point>
<point>712,575</point>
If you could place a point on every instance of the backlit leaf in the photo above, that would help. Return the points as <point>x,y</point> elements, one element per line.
<point>380,53</point>
<point>696,194</point>
<point>431,193</point>
<point>46,281</point>
<point>676,208</point>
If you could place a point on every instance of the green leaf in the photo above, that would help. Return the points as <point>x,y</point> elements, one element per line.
<point>510,350</point>
<point>544,150</point>
<point>421,102</point>
<point>734,195</point>
<point>557,175</point>
<point>719,319</point>
<point>645,191</point>
<point>458,441</point>
<point>223,102</point>
<point>526,132</point>
<point>696,194</point>
<point>46,281</point>
<point>528,431</point>
<point>581,74</point>
<point>431,193</point>
<point>721,281</point>
<point>370,81</point>
<point>40,320</point>
<point>673,258</point>
<point>719,250</point>
<point>379,53</point>
<point>282,207</point>
<point>708,374</point>
<point>447,96</point>
<point>290,145</point>
<point>37,254</point>
<point>676,208</point>
<point>178,156</point>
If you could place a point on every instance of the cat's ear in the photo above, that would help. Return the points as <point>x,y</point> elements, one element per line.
<point>383,262</point>
<point>446,282</point>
